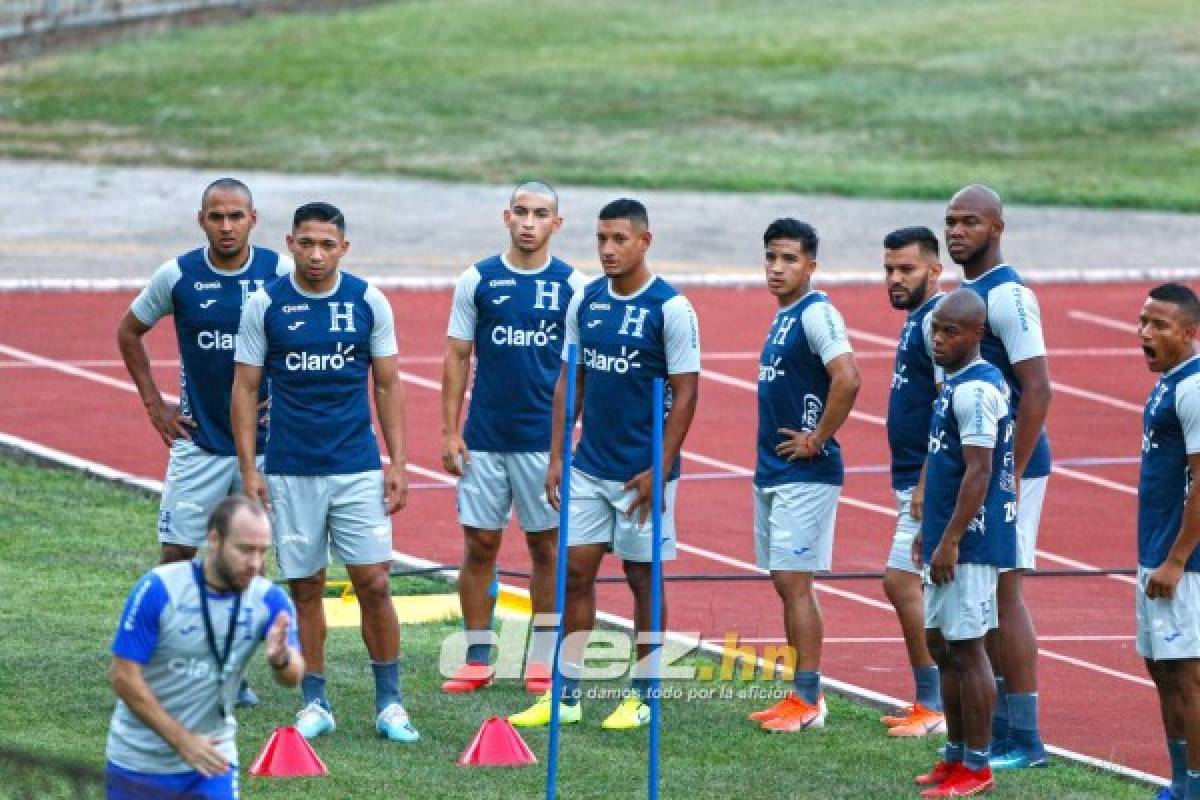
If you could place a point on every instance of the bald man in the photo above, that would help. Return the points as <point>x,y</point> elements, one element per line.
<point>968,534</point>
<point>509,312</point>
<point>1013,342</point>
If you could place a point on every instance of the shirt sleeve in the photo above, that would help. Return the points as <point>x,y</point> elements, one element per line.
<point>1187,408</point>
<point>383,331</point>
<point>252,336</point>
<point>577,281</point>
<point>462,309</point>
<point>681,332</point>
<point>939,374</point>
<point>278,602</point>
<point>285,266</point>
<point>571,323</point>
<point>978,407</point>
<point>825,331</point>
<point>137,633</point>
<point>1014,316</point>
<point>154,302</point>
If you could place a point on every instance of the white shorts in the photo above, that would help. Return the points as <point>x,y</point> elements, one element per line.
<point>492,483</point>
<point>598,517</point>
<point>900,556</point>
<point>196,481</point>
<point>964,608</point>
<point>793,526</point>
<point>1168,629</point>
<point>1029,517</point>
<point>311,513</point>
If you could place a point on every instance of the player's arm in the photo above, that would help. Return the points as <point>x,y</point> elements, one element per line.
<point>1016,319</point>
<point>153,302</point>
<point>389,405</point>
<point>1033,376</point>
<point>198,751</point>
<point>456,369</point>
<point>971,494</point>
<point>826,334</point>
<point>243,418</point>
<point>1166,577</point>
<point>281,639</point>
<point>557,430</point>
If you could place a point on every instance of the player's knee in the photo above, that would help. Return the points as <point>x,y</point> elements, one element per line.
<point>307,591</point>
<point>373,588</point>
<point>543,549</point>
<point>171,553</point>
<point>482,550</point>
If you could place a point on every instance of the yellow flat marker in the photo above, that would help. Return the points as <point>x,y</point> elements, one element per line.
<point>343,612</point>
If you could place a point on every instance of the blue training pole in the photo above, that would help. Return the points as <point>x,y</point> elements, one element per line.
<point>560,573</point>
<point>656,591</point>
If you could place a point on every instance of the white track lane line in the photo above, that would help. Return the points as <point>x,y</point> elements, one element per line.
<point>1103,321</point>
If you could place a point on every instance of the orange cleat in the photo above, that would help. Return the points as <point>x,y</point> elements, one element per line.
<point>796,716</point>
<point>963,782</point>
<point>921,721</point>
<point>469,678</point>
<point>537,678</point>
<point>941,772</point>
<point>890,719</point>
<point>773,711</point>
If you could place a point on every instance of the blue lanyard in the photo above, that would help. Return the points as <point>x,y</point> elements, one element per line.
<point>221,658</point>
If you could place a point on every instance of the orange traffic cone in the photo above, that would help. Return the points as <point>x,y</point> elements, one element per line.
<point>497,745</point>
<point>287,754</point>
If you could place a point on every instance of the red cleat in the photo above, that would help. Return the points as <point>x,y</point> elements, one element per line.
<point>469,678</point>
<point>940,773</point>
<point>964,782</point>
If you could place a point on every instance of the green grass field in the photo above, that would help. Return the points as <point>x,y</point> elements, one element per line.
<point>70,548</point>
<point>1067,102</point>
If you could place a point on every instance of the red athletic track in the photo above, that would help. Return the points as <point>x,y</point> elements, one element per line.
<point>1095,696</point>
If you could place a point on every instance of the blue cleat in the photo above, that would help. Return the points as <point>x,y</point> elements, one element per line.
<point>246,697</point>
<point>314,720</point>
<point>393,723</point>
<point>1016,758</point>
<point>1165,793</point>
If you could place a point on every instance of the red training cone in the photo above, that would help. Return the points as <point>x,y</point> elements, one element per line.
<point>287,754</point>
<point>497,745</point>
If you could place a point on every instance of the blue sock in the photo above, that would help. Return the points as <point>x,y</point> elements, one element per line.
<point>1192,791</point>
<point>570,685</point>
<point>953,752</point>
<point>929,687</point>
<point>808,686</point>
<point>1023,730</point>
<point>312,688</point>
<point>641,687</point>
<point>479,646</point>
<point>975,760</point>
<point>387,684</point>
<point>1000,719</point>
<point>1177,750</point>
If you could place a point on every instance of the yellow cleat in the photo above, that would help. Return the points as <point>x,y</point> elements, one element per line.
<point>538,715</point>
<point>632,713</point>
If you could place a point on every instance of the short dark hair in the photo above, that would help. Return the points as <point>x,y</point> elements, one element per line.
<point>788,228</point>
<point>221,518</point>
<point>225,185</point>
<point>925,239</point>
<point>319,212</point>
<point>1179,295</point>
<point>626,208</point>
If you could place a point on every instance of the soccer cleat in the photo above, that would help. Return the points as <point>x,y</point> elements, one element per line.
<point>246,697</point>
<point>772,712</point>
<point>538,715</point>
<point>963,782</point>
<point>1017,758</point>
<point>921,722</point>
<point>393,723</point>
<point>468,678</point>
<point>941,772</point>
<point>631,713</point>
<point>537,677</point>
<point>797,715</point>
<point>891,720</point>
<point>314,720</point>
<point>1165,793</point>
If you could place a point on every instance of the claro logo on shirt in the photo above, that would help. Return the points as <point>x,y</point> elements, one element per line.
<point>319,362</point>
<point>512,336</point>
<point>620,364</point>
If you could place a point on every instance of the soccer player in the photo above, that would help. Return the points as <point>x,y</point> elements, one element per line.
<point>188,632</point>
<point>317,335</point>
<point>912,269</point>
<point>968,533</point>
<point>1168,597</point>
<point>1013,343</point>
<point>204,289</point>
<point>631,327</point>
<point>807,382</point>
<point>509,311</point>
